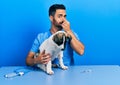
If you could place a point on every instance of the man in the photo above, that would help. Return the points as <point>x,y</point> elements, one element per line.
<point>57,15</point>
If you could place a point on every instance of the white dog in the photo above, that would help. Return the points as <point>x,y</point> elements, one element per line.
<point>54,45</point>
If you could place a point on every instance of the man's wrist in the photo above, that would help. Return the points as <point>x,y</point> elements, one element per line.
<point>68,31</point>
<point>35,61</point>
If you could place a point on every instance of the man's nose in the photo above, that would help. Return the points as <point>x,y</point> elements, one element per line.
<point>63,19</point>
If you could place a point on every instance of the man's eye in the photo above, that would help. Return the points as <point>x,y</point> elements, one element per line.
<point>65,16</point>
<point>59,16</point>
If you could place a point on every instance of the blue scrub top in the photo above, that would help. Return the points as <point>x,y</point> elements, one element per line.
<point>67,54</point>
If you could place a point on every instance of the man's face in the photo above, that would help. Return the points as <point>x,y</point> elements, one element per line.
<point>59,18</point>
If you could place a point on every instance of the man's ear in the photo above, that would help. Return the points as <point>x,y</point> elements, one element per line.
<point>51,18</point>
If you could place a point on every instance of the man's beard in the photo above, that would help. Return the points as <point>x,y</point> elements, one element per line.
<point>58,25</point>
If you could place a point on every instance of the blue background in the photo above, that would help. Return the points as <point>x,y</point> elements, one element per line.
<point>97,23</point>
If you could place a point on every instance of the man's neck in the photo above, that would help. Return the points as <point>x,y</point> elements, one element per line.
<point>53,29</point>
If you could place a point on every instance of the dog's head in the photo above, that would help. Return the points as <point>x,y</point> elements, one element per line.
<point>60,38</point>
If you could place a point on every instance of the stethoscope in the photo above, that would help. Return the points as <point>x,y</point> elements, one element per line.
<point>19,72</point>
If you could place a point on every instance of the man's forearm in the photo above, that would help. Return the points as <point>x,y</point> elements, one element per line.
<point>30,60</point>
<point>76,44</point>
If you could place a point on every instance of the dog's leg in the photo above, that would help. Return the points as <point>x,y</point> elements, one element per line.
<point>41,66</point>
<point>61,61</point>
<point>49,68</point>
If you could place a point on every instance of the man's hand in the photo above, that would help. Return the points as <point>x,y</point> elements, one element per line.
<point>66,25</point>
<point>42,58</point>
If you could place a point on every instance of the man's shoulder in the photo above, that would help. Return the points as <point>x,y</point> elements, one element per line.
<point>44,34</point>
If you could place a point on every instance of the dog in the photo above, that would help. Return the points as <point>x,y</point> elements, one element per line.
<point>55,46</point>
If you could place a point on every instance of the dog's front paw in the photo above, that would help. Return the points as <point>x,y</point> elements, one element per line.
<point>50,72</point>
<point>64,67</point>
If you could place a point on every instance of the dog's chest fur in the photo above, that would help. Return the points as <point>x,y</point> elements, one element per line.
<point>50,47</point>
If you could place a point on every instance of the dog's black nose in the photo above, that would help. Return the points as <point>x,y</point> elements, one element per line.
<point>62,49</point>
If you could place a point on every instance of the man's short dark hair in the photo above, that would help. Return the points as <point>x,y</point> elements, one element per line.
<point>54,7</point>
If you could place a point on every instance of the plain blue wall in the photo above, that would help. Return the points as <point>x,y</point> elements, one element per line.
<point>97,23</point>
